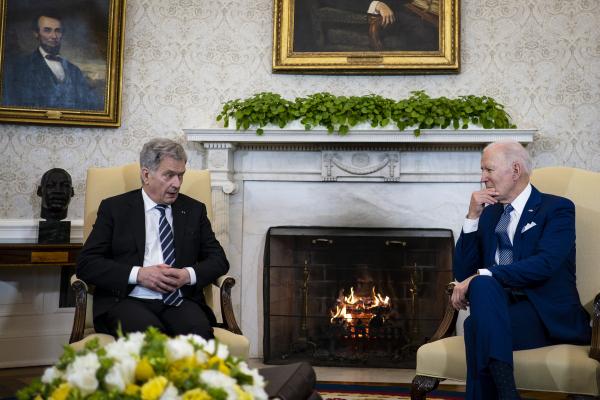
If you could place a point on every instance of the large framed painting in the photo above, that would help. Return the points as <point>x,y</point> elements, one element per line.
<point>366,37</point>
<point>61,61</point>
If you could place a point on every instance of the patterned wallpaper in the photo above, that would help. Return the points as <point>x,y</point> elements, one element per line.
<point>183,58</point>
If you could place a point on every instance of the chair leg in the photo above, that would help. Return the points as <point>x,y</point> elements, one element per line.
<point>421,385</point>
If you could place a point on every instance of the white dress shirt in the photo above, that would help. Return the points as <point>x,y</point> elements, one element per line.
<point>152,250</point>
<point>518,204</point>
<point>55,66</point>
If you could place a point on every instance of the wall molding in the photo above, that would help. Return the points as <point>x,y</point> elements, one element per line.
<point>26,230</point>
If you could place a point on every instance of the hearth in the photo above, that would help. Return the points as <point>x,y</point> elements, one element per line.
<point>353,296</point>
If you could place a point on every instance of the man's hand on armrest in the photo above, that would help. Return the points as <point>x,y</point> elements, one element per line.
<point>458,299</point>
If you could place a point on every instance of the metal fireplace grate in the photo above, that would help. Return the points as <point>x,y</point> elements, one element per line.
<point>353,296</point>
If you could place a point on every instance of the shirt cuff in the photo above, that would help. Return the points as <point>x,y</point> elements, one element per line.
<point>470,225</point>
<point>133,275</point>
<point>372,7</point>
<point>192,273</point>
<point>485,271</point>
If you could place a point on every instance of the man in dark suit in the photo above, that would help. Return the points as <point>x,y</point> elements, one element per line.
<point>152,251</point>
<point>44,78</point>
<point>515,267</point>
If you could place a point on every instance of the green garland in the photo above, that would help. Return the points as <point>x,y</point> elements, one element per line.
<point>340,113</point>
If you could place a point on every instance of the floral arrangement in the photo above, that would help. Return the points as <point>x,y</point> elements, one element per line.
<point>148,366</point>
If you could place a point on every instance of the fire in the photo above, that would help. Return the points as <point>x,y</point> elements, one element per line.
<point>356,312</point>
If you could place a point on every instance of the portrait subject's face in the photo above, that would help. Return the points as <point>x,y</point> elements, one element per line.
<point>163,185</point>
<point>49,34</point>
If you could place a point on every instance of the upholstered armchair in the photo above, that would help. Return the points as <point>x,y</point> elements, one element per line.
<point>105,182</point>
<point>560,368</point>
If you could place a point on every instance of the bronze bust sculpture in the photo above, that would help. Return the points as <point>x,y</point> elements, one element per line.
<point>56,190</point>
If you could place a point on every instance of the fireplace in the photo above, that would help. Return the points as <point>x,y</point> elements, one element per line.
<point>292,177</point>
<point>365,297</point>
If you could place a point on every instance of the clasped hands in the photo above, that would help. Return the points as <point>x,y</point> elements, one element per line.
<point>163,278</point>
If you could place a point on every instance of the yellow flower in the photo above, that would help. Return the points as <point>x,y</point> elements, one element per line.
<point>132,389</point>
<point>143,370</point>
<point>196,394</point>
<point>241,395</point>
<point>216,361</point>
<point>61,392</point>
<point>182,370</point>
<point>154,388</point>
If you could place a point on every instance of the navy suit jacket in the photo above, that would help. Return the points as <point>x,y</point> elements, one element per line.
<point>29,82</point>
<point>543,262</point>
<point>116,244</point>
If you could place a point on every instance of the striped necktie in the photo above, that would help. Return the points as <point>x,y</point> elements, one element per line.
<point>505,247</point>
<point>165,235</point>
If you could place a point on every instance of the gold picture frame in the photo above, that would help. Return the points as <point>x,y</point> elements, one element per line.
<point>355,37</point>
<point>61,65</point>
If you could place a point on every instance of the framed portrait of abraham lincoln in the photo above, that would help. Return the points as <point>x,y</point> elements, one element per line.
<point>366,36</point>
<point>61,62</point>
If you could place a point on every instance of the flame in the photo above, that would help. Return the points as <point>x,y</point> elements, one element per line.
<point>352,309</point>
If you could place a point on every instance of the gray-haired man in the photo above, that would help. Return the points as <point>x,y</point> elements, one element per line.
<point>152,251</point>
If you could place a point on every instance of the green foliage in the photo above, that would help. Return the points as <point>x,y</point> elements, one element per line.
<point>340,113</point>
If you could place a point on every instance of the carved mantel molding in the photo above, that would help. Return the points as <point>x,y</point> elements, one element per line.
<point>367,153</point>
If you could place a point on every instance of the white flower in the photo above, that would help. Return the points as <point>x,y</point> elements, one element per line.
<point>201,356</point>
<point>51,374</point>
<point>170,393</point>
<point>81,373</point>
<point>258,393</point>
<point>258,382</point>
<point>196,339</point>
<point>221,350</point>
<point>219,380</point>
<point>121,373</point>
<point>126,347</point>
<point>179,348</point>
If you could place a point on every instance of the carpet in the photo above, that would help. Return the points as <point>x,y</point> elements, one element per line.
<point>379,391</point>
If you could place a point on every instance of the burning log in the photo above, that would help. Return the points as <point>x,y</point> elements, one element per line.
<point>359,313</point>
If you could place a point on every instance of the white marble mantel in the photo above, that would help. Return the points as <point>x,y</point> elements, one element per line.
<point>368,178</point>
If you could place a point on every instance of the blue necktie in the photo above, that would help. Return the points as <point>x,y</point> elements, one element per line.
<point>165,234</point>
<point>505,248</point>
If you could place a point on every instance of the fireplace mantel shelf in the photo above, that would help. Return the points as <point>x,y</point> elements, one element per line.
<point>387,136</point>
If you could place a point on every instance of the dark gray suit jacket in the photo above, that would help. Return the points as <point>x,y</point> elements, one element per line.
<point>116,245</point>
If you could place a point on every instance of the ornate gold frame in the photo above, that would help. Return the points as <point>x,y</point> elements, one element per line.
<point>445,60</point>
<point>110,115</point>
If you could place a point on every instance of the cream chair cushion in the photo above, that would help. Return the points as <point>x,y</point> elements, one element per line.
<point>560,368</point>
<point>102,183</point>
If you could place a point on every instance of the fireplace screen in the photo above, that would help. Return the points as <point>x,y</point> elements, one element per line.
<point>353,296</point>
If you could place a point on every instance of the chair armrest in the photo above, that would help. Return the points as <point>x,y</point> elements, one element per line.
<point>595,345</point>
<point>81,290</point>
<point>448,322</point>
<point>225,283</point>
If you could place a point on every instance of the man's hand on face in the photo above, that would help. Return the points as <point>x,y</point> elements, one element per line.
<point>479,200</point>
<point>459,294</point>
<point>162,278</point>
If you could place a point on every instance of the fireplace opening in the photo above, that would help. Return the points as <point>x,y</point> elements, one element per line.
<point>353,296</point>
